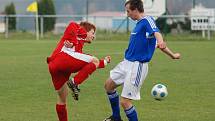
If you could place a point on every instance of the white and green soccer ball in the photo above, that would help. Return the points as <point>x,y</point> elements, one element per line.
<point>159,92</point>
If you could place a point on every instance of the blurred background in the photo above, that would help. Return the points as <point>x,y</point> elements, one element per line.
<point>172,16</point>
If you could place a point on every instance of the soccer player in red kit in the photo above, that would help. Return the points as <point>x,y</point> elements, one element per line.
<point>68,58</point>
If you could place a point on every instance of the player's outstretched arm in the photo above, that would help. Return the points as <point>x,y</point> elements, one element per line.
<point>170,53</point>
<point>104,62</point>
<point>163,47</point>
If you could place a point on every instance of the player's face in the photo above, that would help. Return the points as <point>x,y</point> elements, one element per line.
<point>131,13</point>
<point>90,36</point>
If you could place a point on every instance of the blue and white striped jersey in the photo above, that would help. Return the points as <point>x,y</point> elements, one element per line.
<point>142,41</point>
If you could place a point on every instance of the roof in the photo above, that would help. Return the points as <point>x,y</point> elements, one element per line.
<point>107,13</point>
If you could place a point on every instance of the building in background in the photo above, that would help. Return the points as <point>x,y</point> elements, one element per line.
<point>2,24</point>
<point>203,19</point>
<point>2,27</point>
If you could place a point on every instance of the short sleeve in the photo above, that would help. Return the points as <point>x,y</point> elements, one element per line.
<point>151,25</point>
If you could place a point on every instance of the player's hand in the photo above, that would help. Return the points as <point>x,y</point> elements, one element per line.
<point>108,59</point>
<point>176,56</point>
<point>68,44</point>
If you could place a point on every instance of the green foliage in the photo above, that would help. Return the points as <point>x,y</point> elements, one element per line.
<point>10,10</point>
<point>46,7</point>
<point>186,25</point>
<point>161,24</point>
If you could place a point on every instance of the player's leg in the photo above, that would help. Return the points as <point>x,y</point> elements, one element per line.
<point>131,89</point>
<point>85,69</point>
<point>116,79</point>
<point>129,109</point>
<point>61,103</point>
<point>60,75</point>
<point>113,97</point>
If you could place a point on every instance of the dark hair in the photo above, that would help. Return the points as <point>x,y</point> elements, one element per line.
<point>136,4</point>
<point>88,26</point>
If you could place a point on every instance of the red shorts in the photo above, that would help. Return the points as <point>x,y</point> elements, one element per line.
<point>61,68</point>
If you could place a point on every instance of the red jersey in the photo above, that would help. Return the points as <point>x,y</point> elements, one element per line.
<point>75,34</point>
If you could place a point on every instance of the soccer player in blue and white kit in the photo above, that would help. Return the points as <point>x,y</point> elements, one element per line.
<point>132,71</point>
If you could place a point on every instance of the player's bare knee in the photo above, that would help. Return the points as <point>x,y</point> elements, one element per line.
<point>95,61</point>
<point>107,87</point>
<point>62,94</point>
<point>110,86</point>
<point>61,99</point>
<point>125,103</point>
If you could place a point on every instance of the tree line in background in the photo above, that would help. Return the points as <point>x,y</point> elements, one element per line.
<point>10,10</point>
<point>45,7</point>
<point>179,26</point>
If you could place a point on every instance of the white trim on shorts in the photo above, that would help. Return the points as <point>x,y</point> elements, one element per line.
<point>131,75</point>
<point>79,56</point>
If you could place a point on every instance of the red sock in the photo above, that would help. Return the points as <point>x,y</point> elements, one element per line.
<point>84,73</point>
<point>61,112</point>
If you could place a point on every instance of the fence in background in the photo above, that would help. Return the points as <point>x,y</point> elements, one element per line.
<point>175,23</point>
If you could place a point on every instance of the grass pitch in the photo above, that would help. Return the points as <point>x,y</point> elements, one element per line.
<point>27,93</point>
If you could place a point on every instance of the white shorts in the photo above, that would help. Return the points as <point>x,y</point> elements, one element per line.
<point>131,75</point>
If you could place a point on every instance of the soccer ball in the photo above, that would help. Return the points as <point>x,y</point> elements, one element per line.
<point>159,92</point>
